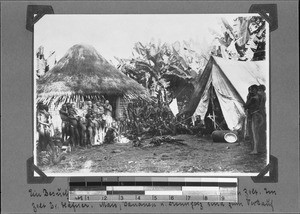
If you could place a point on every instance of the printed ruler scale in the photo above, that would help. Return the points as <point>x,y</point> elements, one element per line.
<point>117,189</point>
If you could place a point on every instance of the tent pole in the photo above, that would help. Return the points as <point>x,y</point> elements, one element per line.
<point>214,118</point>
<point>213,106</point>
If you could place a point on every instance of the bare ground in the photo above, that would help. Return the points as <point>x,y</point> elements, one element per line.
<point>193,155</point>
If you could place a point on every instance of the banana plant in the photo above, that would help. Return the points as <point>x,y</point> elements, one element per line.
<point>154,65</point>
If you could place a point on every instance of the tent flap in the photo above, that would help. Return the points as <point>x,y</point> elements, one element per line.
<point>231,105</point>
<point>204,101</point>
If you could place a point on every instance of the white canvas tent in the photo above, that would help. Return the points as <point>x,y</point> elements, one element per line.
<point>230,80</point>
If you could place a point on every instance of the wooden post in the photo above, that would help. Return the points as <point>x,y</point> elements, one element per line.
<point>118,107</point>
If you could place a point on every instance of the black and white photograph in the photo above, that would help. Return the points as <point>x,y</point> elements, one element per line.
<point>151,94</point>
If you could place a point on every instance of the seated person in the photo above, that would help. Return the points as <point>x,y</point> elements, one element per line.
<point>182,127</point>
<point>111,134</point>
<point>199,127</point>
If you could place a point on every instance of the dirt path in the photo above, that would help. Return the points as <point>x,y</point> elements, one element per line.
<point>194,155</point>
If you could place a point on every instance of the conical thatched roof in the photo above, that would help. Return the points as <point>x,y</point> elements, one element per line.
<point>83,72</point>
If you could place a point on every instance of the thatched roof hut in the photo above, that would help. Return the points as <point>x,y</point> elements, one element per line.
<point>83,73</point>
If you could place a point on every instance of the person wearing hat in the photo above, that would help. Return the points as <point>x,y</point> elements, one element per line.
<point>252,106</point>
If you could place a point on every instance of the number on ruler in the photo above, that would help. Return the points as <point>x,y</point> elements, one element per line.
<point>121,197</point>
<point>188,197</point>
<point>154,197</point>
<point>138,197</point>
<point>171,197</point>
<point>104,198</point>
<point>222,198</point>
<point>205,197</point>
<point>87,198</point>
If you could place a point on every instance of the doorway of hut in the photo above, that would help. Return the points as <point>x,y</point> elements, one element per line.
<point>116,103</point>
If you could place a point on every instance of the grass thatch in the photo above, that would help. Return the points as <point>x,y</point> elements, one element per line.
<point>83,72</point>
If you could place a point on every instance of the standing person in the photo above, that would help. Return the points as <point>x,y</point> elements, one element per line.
<point>65,129</point>
<point>108,114</point>
<point>100,107</point>
<point>253,107</point>
<point>72,115</point>
<point>262,95</point>
<point>44,125</point>
<point>89,107</point>
<point>247,124</point>
<point>89,124</point>
<point>82,124</point>
<point>90,128</point>
<point>82,129</point>
<point>83,109</point>
<point>96,123</point>
<point>101,122</point>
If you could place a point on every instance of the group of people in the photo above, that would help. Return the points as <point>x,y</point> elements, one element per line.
<point>87,124</point>
<point>156,119</point>
<point>91,123</point>
<point>256,115</point>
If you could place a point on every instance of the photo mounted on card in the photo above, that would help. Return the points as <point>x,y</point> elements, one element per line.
<point>151,95</point>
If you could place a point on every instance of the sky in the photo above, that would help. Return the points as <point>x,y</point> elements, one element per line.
<point>115,35</point>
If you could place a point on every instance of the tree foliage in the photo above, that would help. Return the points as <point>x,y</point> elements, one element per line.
<point>159,68</point>
<point>244,39</point>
